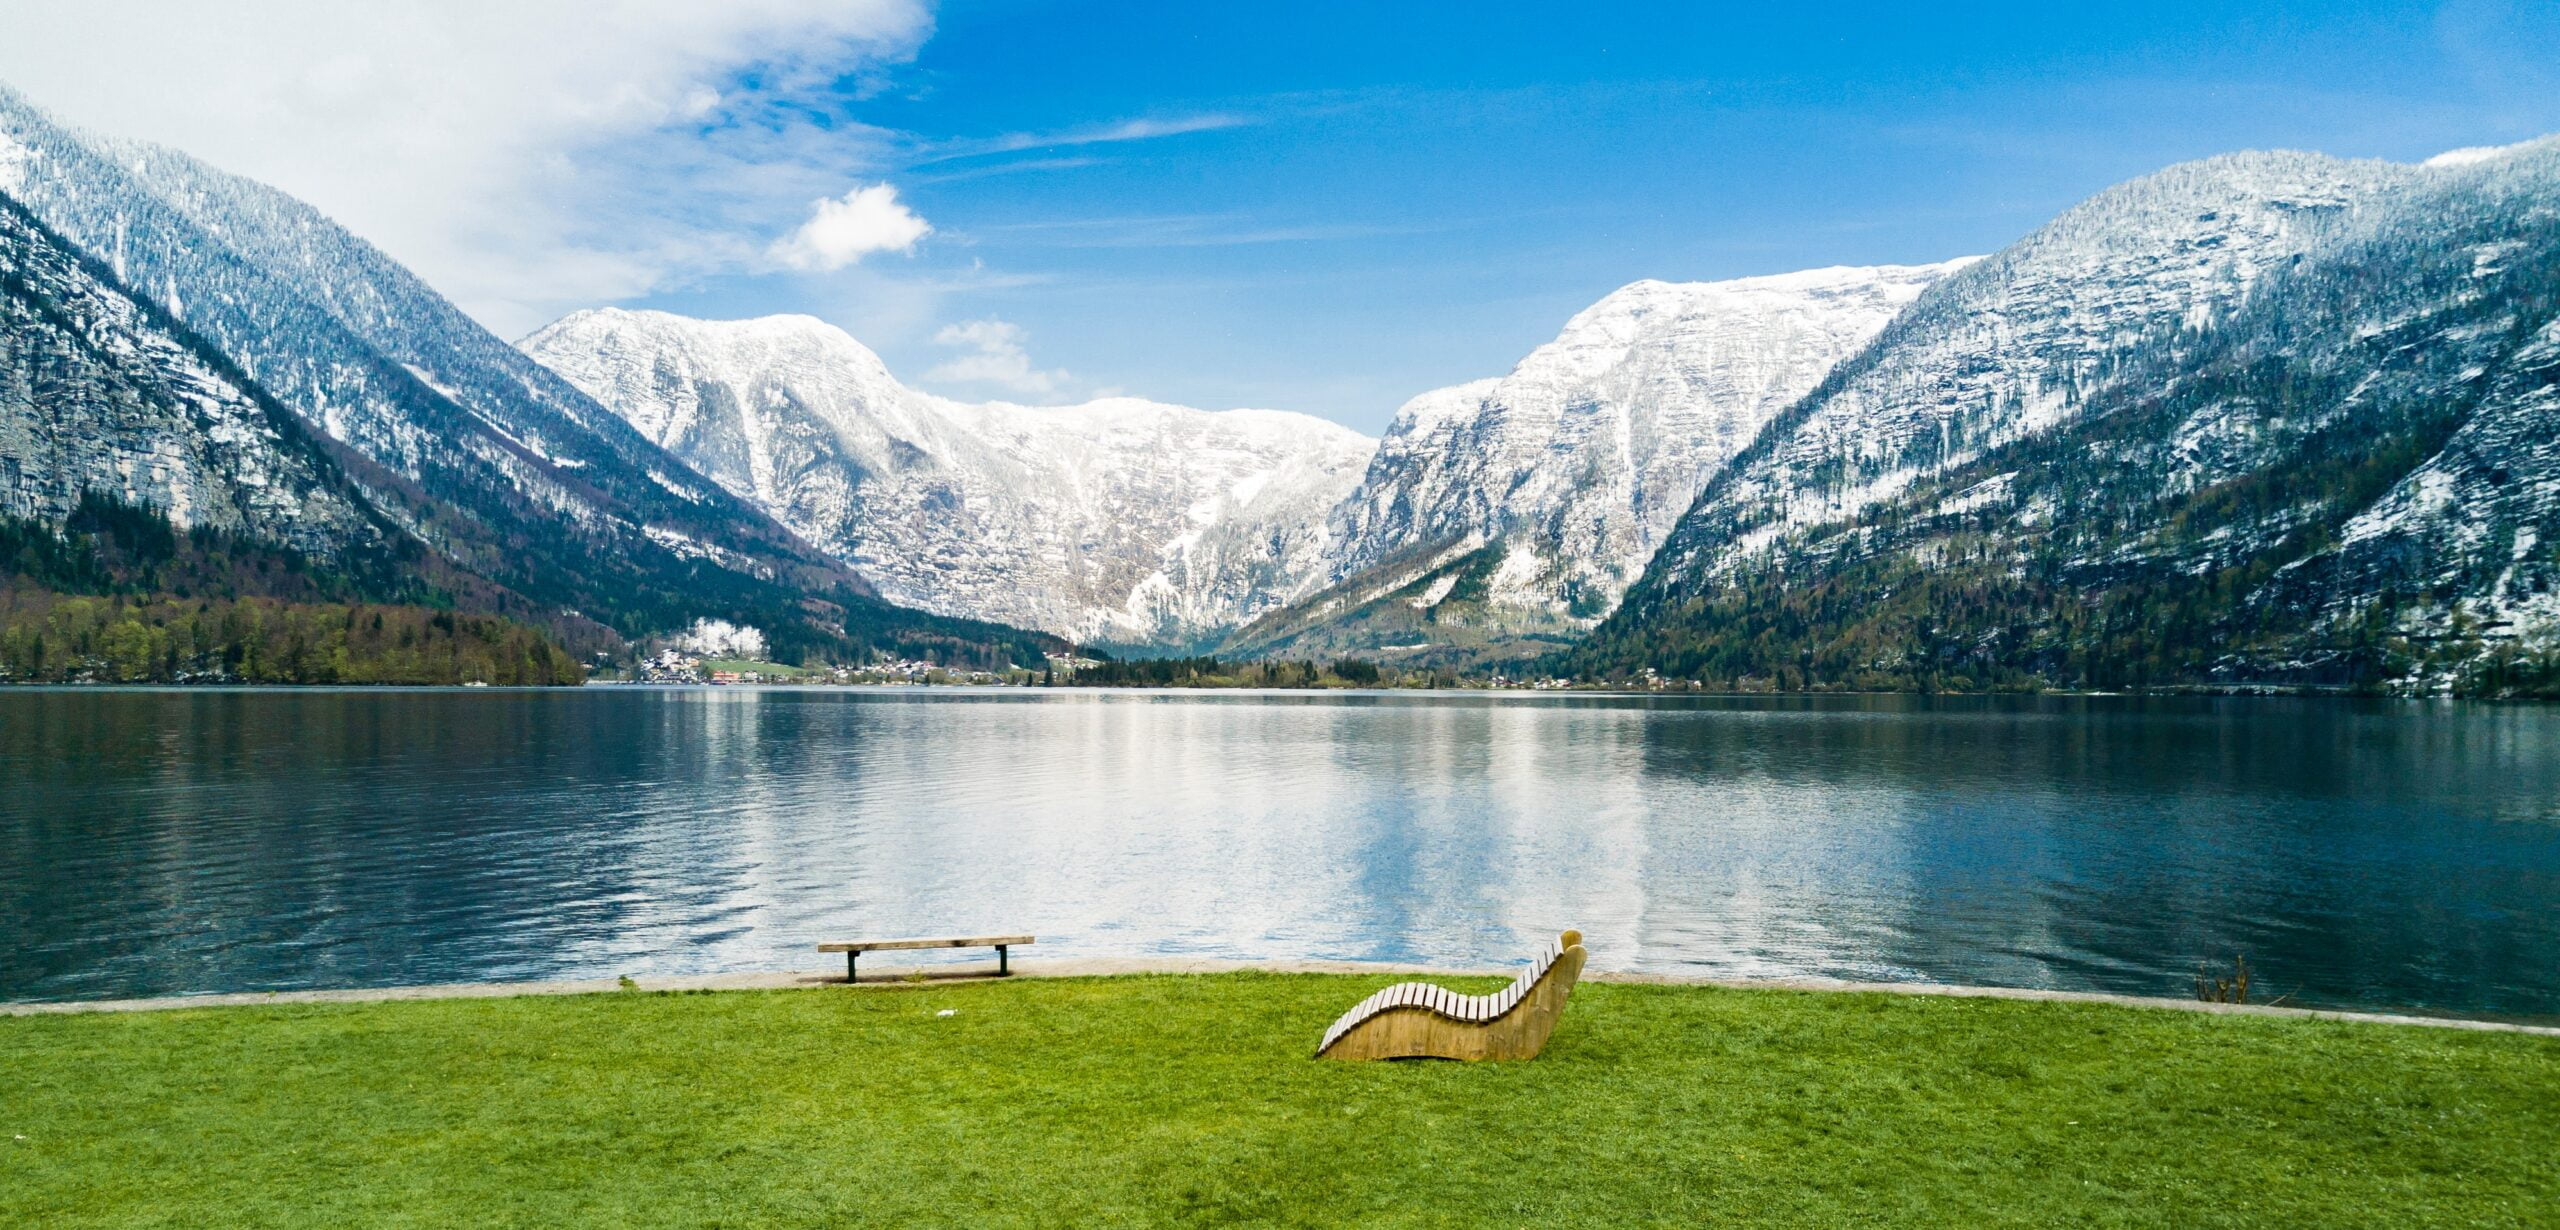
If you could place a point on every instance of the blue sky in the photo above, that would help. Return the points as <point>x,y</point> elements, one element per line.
<point>1322,207</point>
<point>1385,198</point>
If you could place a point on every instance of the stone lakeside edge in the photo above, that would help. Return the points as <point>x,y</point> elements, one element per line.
<point>766,980</point>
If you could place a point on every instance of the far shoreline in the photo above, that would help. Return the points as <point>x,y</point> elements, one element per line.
<point>2306,692</point>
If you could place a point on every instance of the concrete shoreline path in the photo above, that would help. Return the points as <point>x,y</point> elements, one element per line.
<point>770,980</point>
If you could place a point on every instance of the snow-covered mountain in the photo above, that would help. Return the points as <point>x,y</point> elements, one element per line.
<point>1525,505</point>
<point>102,393</point>
<point>2012,345</point>
<point>1118,521</point>
<point>507,472</point>
<point>365,352</point>
<point>2266,417</point>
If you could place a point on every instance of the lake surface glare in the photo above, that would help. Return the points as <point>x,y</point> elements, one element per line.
<point>2385,855</point>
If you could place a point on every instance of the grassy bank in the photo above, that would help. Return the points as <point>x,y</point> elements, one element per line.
<point>770,670</point>
<point>1191,1099</point>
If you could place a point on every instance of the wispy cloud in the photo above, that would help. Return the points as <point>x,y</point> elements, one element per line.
<point>1006,168</point>
<point>1199,231</point>
<point>1124,130</point>
<point>994,357</point>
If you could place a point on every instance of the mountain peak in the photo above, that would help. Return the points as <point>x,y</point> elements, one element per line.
<point>1117,519</point>
<point>781,328</point>
<point>1582,457</point>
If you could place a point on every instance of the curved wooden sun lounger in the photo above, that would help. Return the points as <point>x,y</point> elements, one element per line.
<point>1413,1020</point>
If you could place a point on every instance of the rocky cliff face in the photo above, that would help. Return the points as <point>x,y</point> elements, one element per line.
<point>100,392</point>
<point>1523,506</point>
<point>2266,418</point>
<point>1117,521</point>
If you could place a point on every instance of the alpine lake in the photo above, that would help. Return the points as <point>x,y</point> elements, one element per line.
<point>2369,854</point>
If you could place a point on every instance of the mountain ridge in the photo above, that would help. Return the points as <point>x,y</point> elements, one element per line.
<point>1119,520</point>
<point>2344,477</point>
<point>496,465</point>
<point>2270,417</point>
<point>1532,499</point>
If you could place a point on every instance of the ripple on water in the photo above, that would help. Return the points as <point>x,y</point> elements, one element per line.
<point>2362,853</point>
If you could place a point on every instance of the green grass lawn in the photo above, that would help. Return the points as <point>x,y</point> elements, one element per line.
<point>1148,1100</point>
<point>770,670</point>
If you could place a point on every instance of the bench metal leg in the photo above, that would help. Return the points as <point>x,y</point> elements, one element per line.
<point>848,967</point>
<point>1001,968</point>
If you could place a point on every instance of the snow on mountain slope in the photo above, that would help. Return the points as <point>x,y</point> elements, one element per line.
<point>100,392</point>
<point>2461,556</point>
<point>505,470</point>
<point>2010,346</point>
<point>1557,481</point>
<point>1118,520</point>
<point>2347,475</point>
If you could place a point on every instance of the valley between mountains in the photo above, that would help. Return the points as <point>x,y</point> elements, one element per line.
<point>2261,420</point>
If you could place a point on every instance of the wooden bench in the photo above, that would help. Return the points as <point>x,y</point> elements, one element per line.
<point>853,949</point>
<point>1413,1020</point>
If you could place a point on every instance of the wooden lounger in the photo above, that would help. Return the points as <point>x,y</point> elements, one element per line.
<point>1416,1019</point>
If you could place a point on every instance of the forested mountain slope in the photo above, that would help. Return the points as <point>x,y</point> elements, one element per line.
<point>162,519</point>
<point>2334,461</point>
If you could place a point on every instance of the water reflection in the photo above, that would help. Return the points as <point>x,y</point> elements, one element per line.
<point>2360,853</point>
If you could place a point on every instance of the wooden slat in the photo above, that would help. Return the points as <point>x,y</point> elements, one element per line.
<point>1516,1025</point>
<point>1512,1023</point>
<point>983,941</point>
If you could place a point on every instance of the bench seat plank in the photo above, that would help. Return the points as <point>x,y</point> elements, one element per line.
<point>983,941</point>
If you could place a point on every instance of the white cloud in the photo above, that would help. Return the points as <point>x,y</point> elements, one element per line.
<point>523,155</point>
<point>995,357</point>
<point>842,230</point>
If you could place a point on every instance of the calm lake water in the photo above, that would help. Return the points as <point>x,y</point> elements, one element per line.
<point>2361,853</point>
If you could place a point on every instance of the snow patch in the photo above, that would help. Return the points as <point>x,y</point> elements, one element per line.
<point>2472,155</point>
<point>2485,258</point>
<point>1249,486</point>
<point>15,159</point>
<point>683,491</point>
<point>1993,490</point>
